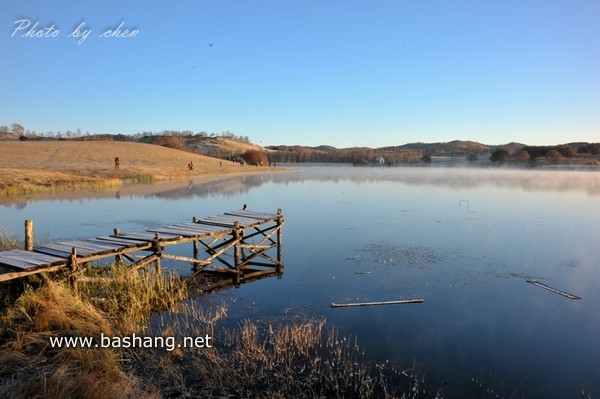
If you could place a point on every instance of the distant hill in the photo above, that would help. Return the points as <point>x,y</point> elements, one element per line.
<point>456,147</point>
<point>228,146</point>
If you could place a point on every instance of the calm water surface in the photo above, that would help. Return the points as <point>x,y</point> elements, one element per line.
<point>464,240</point>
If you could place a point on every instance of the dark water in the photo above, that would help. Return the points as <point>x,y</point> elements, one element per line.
<point>464,240</point>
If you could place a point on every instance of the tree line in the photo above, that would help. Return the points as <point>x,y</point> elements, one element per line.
<point>359,155</point>
<point>26,134</point>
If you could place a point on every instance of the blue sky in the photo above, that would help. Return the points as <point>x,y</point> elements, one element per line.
<point>342,73</point>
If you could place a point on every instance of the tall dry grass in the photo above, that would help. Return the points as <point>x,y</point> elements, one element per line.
<point>302,358</point>
<point>32,368</point>
<point>9,240</point>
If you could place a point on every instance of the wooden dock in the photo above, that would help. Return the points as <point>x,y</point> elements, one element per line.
<point>241,245</point>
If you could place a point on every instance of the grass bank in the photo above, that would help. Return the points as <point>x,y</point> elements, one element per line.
<point>44,167</point>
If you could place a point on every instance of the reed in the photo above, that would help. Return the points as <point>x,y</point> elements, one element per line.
<point>129,298</point>
<point>32,368</point>
<point>9,240</point>
<point>301,358</point>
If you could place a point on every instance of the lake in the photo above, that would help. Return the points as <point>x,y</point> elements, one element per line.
<point>464,240</point>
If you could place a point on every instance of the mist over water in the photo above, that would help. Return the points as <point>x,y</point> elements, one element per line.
<point>464,240</point>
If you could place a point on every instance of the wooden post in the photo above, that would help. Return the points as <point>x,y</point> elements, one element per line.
<point>236,246</point>
<point>158,252</point>
<point>279,239</point>
<point>118,257</point>
<point>29,235</point>
<point>195,220</point>
<point>74,268</point>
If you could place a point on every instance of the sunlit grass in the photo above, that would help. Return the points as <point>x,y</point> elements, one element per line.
<point>302,358</point>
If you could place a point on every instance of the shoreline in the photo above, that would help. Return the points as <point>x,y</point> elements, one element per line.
<point>32,170</point>
<point>77,189</point>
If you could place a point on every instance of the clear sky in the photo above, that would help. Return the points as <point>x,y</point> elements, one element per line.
<point>343,73</point>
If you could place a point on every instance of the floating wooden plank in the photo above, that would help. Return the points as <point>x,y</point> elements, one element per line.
<point>399,302</point>
<point>18,259</point>
<point>547,287</point>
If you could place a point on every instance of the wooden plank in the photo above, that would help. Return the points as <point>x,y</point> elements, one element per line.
<point>84,248</point>
<point>231,219</point>
<point>547,287</point>
<point>253,215</point>
<point>167,232</point>
<point>124,242</point>
<point>148,236</point>
<point>136,236</point>
<point>102,243</point>
<point>26,260</point>
<point>20,274</point>
<point>400,302</point>
<point>65,248</point>
<point>244,222</point>
<point>198,227</point>
<point>190,231</point>
<point>208,222</point>
<point>94,246</point>
<point>52,251</point>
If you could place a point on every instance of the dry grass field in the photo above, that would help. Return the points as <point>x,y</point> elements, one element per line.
<point>30,167</point>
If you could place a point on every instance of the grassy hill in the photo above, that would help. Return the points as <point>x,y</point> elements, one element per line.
<point>40,166</point>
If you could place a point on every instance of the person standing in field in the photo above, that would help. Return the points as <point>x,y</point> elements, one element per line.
<point>117,161</point>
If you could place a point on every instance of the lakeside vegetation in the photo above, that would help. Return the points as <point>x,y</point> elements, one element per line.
<point>302,357</point>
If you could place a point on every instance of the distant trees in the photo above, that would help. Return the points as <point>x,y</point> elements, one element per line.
<point>593,148</point>
<point>522,156</point>
<point>554,155</point>
<point>326,154</point>
<point>176,141</point>
<point>255,157</point>
<point>500,156</point>
<point>17,129</point>
<point>543,151</point>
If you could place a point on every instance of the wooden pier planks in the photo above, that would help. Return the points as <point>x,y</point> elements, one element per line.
<point>190,230</point>
<point>83,247</point>
<point>56,255</point>
<point>18,259</point>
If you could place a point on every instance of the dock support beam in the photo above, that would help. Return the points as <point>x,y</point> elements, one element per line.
<point>279,239</point>
<point>29,235</point>
<point>157,249</point>
<point>74,266</point>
